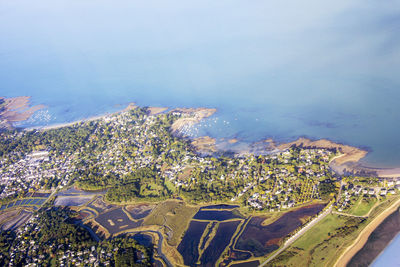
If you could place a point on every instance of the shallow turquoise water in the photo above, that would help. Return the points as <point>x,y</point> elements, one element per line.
<point>273,69</point>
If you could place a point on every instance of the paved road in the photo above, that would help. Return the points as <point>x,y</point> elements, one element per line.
<point>298,234</point>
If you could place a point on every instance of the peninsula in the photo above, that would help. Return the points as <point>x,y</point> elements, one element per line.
<point>135,182</point>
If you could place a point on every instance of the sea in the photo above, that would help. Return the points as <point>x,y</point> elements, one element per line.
<point>273,69</point>
<point>389,257</point>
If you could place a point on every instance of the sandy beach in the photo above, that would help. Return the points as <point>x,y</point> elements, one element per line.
<point>349,153</point>
<point>362,238</point>
<point>93,118</point>
<point>194,115</point>
<point>389,173</point>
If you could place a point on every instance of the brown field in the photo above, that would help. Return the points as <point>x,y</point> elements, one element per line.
<point>17,220</point>
<point>99,205</point>
<point>139,211</point>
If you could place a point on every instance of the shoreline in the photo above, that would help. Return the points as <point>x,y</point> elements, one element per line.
<point>388,245</point>
<point>347,162</point>
<point>88,119</point>
<point>67,124</point>
<point>16,109</point>
<point>362,238</point>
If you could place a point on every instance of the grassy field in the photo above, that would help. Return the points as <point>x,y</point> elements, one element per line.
<point>326,241</point>
<point>362,206</point>
<point>323,244</point>
<point>175,216</point>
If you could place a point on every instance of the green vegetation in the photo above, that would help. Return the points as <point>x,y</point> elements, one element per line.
<point>6,239</point>
<point>137,159</point>
<point>144,183</point>
<point>362,206</point>
<point>53,233</point>
<point>323,244</point>
<point>174,216</point>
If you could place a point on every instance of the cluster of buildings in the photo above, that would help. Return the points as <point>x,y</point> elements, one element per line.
<point>279,187</point>
<point>32,172</point>
<point>352,191</point>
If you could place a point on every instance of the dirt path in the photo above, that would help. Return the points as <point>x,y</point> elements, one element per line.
<point>363,236</point>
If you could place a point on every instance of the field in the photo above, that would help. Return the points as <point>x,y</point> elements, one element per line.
<point>322,245</point>
<point>139,211</point>
<point>362,206</point>
<point>16,221</point>
<point>174,216</point>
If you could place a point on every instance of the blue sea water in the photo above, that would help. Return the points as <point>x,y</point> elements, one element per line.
<point>390,256</point>
<point>279,69</point>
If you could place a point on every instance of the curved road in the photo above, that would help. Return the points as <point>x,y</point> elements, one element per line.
<point>159,245</point>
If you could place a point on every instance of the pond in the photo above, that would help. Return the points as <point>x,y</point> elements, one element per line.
<point>190,242</point>
<point>217,215</point>
<point>219,243</point>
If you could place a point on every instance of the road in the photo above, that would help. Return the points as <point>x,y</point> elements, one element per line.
<point>299,234</point>
<point>159,246</point>
<point>362,237</point>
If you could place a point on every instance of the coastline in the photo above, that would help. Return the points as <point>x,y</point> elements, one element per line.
<point>394,239</point>
<point>347,162</point>
<point>16,109</point>
<point>67,124</point>
<point>362,238</point>
<point>349,155</point>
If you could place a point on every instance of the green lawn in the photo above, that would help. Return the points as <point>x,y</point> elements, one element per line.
<point>322,245</point>
<point>362,206</point>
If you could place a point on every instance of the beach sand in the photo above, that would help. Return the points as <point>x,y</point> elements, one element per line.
<point>194,115</point>
<point>156,110</point>
<point>362,238</point>
<point>349,153</point>
<point>389,173</point>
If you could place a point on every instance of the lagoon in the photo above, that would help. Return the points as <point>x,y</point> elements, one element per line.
<point>282,70</point>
